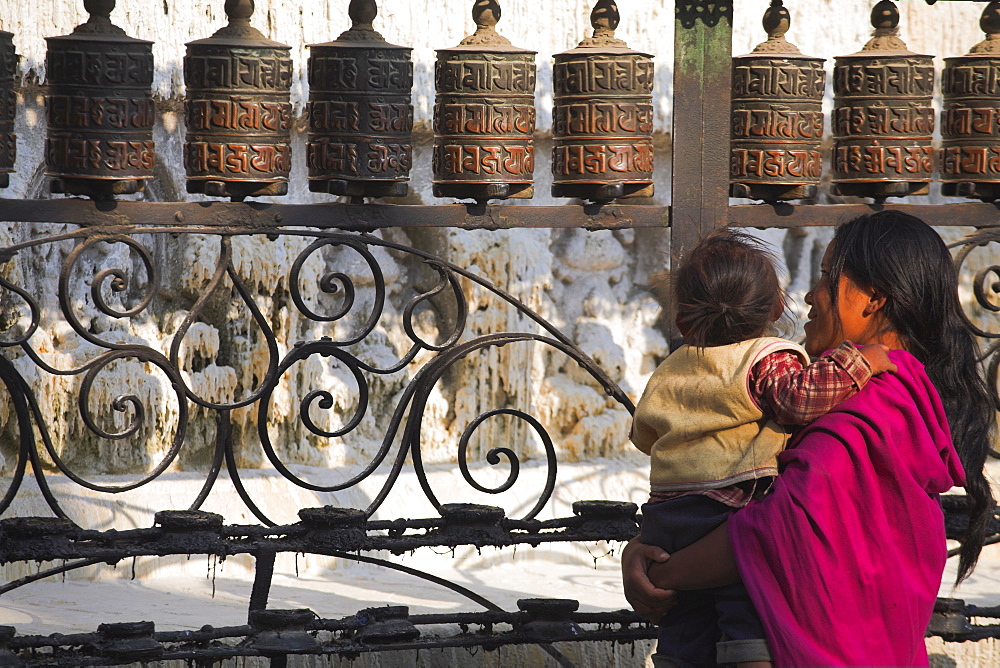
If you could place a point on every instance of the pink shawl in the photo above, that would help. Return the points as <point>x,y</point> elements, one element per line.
<point>843,559</point>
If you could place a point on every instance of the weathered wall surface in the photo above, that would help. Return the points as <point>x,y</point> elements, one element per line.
<point>592,285</point>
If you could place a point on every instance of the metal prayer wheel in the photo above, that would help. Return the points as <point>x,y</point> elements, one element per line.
<point>8,107</point>
<point>99,108</point>
<point>777,118</point>
<point>970,116</point>
<point>603,116</point>
<point>360,115</point>
<point>484,114</point>
<point>883,119</point>
<point>238,110</point>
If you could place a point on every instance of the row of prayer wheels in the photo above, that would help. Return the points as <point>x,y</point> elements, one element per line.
<point>882,122</point>
<point>238,113</point>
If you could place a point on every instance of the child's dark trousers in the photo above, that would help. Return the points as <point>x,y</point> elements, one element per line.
<point>707,627</point>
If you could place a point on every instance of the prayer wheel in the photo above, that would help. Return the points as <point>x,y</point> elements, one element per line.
<point>777,118</point>
<point>238,110</point>
<point>484,115</point>
<point>99,108</point>
<point>970,116</point>
<point>603,116</point>
<point>360,115</point>
<point>883,120</point>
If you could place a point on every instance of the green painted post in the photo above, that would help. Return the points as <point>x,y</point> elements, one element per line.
<point>702,84</point>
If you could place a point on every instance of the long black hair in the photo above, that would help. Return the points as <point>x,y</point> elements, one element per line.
<point>905,260</point>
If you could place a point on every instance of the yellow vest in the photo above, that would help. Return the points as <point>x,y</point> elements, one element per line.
<point>699,425</point>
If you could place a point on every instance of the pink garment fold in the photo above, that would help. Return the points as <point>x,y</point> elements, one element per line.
<point>843,559</point>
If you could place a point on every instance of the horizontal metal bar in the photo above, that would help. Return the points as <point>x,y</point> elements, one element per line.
<point>352,217</point>
<point>243,216</point>
<point>97,649</point>
<point>973,214</point>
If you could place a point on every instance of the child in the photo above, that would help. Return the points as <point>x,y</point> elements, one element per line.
<point>711,418</point>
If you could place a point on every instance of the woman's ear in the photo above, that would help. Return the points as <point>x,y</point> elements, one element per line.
<point>876,302</point>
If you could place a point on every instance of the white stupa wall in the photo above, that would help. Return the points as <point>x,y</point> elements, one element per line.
<point>593,285</point>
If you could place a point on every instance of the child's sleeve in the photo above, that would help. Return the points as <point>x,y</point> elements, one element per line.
<point>793,393</point>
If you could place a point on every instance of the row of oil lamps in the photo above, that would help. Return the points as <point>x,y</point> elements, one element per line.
<point>238,113</point>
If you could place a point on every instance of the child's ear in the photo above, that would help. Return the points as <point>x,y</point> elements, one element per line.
<point>779,309</point>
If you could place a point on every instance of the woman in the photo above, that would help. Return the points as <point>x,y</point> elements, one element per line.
<point>843,559</point>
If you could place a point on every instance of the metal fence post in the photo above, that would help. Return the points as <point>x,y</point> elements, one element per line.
<point>702,72</point>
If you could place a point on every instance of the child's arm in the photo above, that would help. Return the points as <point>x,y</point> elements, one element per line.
<point>877,356</point>
<point>795,394</point>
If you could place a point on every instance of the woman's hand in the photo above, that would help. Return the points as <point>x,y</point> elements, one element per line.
<point>645,598</point>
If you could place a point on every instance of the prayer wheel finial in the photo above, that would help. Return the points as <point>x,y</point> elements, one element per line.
<point>99,21</point>
<point>776,22</point>
<point>885,17</point>
<point>362,13</point>
<point>239,11</point>
<point>605,18</point>
<point>486,14</point>
<point>100,8</point>
<point>989,22</point>
<point>885,21</point>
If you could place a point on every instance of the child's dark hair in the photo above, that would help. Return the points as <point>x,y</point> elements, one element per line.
<point>726,290</point>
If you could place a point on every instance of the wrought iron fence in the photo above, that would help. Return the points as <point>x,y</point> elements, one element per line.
<point>130,285</point>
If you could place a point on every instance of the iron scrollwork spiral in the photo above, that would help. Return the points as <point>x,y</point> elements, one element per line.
<point>118,284</point>
<point>35,315</point>
<point>986,290</point>
<point>494,454</point>
<point>337,337</point>
<point>131,406</point>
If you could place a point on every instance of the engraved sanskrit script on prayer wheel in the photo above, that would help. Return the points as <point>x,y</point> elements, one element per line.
<point>360,115</point>
<point>777,118</point>
<point>238,110</point>
<point>99,108</point>
<point>484,114</point>
<point>970,116</point>
<point>603,116</point>
<point>883,120</point>
<point>8,107</point>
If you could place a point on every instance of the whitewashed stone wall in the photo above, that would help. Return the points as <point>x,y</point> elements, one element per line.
<point>593,285</point>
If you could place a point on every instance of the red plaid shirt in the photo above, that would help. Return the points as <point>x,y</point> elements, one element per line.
<point>793,394</point>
